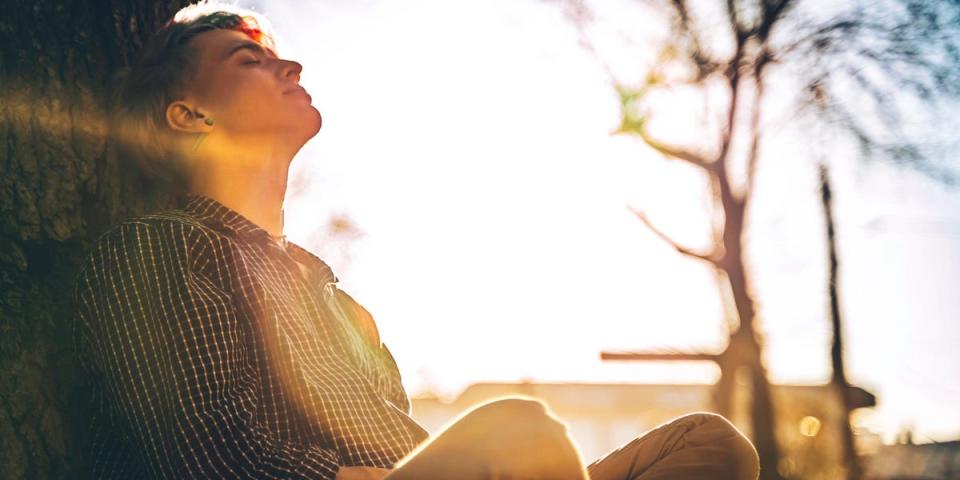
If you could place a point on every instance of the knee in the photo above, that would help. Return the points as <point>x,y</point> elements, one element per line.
<point>514,407</point>
<point>730,443</point>
<point>521,416</point>
<point>715,420</point>
<point>529,441</point>
<point>512,411</point>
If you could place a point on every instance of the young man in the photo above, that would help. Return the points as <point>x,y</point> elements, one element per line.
<point>218,349</point>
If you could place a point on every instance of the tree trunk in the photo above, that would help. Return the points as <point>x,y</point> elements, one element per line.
<point>744,348</point>
<point>61,187</point>
<point>839,378</point>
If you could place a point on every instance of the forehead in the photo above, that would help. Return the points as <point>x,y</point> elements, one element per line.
<point>215,45</point>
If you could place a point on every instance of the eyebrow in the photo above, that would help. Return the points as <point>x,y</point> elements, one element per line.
<point>252,46</point>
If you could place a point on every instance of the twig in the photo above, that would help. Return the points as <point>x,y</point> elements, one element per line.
<point>707,257</point>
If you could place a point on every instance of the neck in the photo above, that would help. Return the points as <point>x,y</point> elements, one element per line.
<point>249,182</point>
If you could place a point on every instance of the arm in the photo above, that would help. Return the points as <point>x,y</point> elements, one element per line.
<point>173,357</point>
<point>363,321</point>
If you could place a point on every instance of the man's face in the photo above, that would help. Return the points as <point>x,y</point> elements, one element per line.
<point>248,91</point>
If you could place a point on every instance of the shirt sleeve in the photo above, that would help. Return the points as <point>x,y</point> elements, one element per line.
<point>174,362</point>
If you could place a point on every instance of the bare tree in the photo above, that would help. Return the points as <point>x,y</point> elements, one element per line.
<point>60,188</point>
<point>886,50</point>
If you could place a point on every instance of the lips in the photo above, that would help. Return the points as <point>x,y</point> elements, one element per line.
<point>297,90</point>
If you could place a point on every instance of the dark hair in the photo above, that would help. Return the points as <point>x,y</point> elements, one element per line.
<point>163,69</point>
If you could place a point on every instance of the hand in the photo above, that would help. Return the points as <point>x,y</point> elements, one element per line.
<point>362,473</point>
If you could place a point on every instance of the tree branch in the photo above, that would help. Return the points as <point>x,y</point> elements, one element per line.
<point>738,30</point>
<point>705,66</point>
<point>772,12</point>
<point>755,132</point>
<point>707,257</point>
<point>677,153</point>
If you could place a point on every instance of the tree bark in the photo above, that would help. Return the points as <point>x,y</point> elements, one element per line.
<point>60,188</point>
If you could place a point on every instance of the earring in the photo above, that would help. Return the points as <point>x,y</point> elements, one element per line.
<point>201,136</point>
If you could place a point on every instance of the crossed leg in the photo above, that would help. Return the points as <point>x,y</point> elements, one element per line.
<point>698,445</point>
<point>520,439</point>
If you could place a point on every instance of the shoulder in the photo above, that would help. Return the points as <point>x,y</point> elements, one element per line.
<point>169,227</point>
<point>157,235</point>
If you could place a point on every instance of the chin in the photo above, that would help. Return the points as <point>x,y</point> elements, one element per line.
<point>301,124</point>
<point>319,120</point>
<point>310,123</point>
<point>316,121</point>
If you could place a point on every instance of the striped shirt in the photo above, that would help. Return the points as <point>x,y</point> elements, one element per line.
<point>215,350</point>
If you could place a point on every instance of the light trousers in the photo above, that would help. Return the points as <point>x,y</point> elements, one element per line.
<point>520,439</point>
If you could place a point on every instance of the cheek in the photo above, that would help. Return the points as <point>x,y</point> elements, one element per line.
<point>244,94</point>
<point>258,112</point>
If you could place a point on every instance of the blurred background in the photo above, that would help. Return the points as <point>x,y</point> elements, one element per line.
<point>631,209</point>
<point>514,187</point>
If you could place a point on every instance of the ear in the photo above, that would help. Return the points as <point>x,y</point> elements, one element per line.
<point>183,117</point>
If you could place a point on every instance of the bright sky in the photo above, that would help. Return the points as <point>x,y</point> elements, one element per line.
<point>470,142</point>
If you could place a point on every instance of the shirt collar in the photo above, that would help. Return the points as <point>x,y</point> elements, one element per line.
<point>217,215</point>
<point>227,220</point>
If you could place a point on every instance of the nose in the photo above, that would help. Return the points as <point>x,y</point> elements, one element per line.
<point>291,69</point>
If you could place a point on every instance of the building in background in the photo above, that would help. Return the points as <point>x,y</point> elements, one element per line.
<point>905,461</point>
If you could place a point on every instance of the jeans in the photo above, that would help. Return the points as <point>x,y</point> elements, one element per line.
<point>520,439</point>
